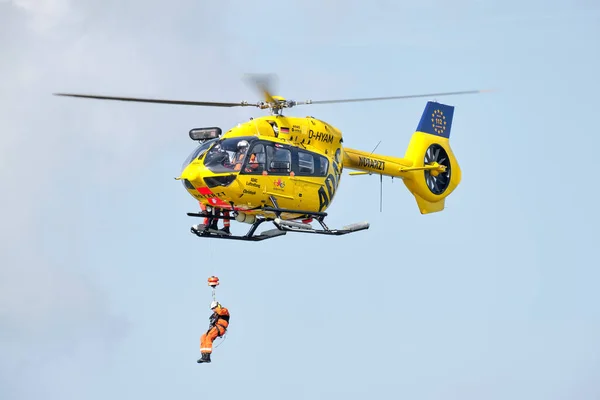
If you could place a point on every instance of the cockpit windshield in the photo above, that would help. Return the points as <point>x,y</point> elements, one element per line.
<point>227,155</point>
<point>198,151</point>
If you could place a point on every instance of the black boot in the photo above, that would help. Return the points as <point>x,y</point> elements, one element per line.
<point>205,358</point>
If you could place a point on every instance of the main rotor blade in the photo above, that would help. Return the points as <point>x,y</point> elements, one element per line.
<point>265,83</point>
<point>143,100</point>
<point>390,98</point>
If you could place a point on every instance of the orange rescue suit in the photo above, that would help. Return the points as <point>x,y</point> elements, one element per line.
<point>219,322</point>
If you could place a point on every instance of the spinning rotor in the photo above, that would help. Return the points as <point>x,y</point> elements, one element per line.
<point>264,83</point>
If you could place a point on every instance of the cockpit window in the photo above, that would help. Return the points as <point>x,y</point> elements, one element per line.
<point>205,146</point>
<point>198,151</point>
<point>227,155</point>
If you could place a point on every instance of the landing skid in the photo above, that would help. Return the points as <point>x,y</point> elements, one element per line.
<point>283,226</point>
<point>249,236</point>
<point>292,226</point>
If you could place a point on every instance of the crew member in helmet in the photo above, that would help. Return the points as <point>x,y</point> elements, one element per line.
<point>219,322</point>
<point>242,148</point>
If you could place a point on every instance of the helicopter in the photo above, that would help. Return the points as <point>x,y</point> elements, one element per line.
<point>287,169</point>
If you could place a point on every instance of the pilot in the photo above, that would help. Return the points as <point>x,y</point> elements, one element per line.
<point>217,155</point>
<point>242,147</point>
<point>219,322</point>
<point>252,165</point>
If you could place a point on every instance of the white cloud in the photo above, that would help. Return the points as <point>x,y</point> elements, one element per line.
<point>47,302</point>
<point>43,15</point>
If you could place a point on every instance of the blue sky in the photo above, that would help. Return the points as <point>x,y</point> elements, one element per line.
<point>103,289</point>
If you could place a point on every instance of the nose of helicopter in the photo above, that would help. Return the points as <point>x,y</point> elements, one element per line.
<point>195,175</point>
<point>202,183</point>
<point>190,173</point>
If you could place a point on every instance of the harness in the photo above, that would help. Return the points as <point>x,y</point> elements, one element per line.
<point>214,319</point>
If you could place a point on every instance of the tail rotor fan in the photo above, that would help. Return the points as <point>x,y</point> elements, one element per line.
<point>437,182</point>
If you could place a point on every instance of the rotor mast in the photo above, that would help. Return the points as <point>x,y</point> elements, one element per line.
<point>277,105</point>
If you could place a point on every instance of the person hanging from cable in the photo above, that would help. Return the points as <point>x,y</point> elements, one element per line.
<point>219,323</point>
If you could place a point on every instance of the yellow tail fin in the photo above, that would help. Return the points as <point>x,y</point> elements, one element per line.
<point>430,147</point>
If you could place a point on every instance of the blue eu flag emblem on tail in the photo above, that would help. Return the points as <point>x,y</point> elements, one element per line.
<point>436,119</point>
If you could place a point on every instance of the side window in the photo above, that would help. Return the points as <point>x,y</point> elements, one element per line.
<point>306,163</point>
<point>323,166</point>
<point>279,160</point>
<point>256,159</point>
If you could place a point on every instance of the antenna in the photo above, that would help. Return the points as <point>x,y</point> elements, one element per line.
<point>380,192</point>
<point>380,183</point>
<point>375,147</point>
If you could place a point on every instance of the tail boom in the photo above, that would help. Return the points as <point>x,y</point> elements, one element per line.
<point>375,163</point>
<point>379,164</point>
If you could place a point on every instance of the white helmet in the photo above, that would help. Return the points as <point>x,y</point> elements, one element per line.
<point>242,144</point>
<point>213,304</point>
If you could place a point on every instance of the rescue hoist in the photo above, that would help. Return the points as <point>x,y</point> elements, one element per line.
<point>213,282</point>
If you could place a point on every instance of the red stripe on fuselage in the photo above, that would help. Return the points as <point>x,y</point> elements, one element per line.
<point>213,201</point>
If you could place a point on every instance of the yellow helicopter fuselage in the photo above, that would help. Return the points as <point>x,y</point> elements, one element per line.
<point>298,166</point>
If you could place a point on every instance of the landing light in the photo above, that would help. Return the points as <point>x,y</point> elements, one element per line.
<point>202,134</point>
